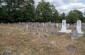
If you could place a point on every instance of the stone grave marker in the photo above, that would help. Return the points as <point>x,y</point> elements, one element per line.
<point>78,27</point>
<point>27,26</point>
<point>71,49</point>
<point>45,38</point>
<point>43,24</point>
<point>75,35</point>
<point>63,29</point>
<point>38,35</point>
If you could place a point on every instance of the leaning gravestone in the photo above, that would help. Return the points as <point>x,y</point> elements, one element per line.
<point>63,29</point>
<point>79,27</point>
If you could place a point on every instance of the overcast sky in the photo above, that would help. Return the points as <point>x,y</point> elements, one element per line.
<point>66,5</point>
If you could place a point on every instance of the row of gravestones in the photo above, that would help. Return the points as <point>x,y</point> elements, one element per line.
<point>63,29</point>
<point>78,27</point>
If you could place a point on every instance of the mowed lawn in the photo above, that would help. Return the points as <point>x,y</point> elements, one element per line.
<point>17,40</point>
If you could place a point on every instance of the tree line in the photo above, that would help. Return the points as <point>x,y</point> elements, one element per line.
<point>12,11</point>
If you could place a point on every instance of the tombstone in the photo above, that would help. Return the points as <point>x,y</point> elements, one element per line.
<point>45,38</point>
<point>68,25</point>
<point>38,25</point>
<point>38,36</point>
<point>63,29</point>
<point>78,28</point>
<point>43,24</point>
<point>46,30</point>
<point>57,24</point>
<point>75,35</point>
<point>33,26</point>
<point>71,49</point>
<point>26,26</point>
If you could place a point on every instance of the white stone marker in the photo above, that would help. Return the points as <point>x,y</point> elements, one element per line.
<point>78,27</point>
<point>27,26</point>
<point>43,24</point>
<point>63,29</point>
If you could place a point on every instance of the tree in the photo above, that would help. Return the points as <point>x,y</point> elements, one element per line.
<point>55,15</point>
<point>73,16</point>
<point>17,10</point>
<point>43,12</point>
<point>29,10</point>
<point>62,17</point>
<point>84,17</point>
<point>10,10</point>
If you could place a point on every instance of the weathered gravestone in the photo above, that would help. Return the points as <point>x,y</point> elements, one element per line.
<point>27,26</point>
<point>38,35</point>
<point>71,49</point>
<point>45,38</point>
<point>55,25</point>
<point>43,24</point>
<point>63,29</point>
<point>74,35</point>
<point>46,30</point>
<point>78,27</point>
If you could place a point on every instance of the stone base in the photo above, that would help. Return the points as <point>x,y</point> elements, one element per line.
<point>66,31</point>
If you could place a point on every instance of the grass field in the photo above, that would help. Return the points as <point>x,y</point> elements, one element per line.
<point>17,40</point>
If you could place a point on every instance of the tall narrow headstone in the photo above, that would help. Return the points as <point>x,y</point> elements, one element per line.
<point>63,29</point>
<point>26,26</point>
<point>43,24</point>
<point>78,28</point>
